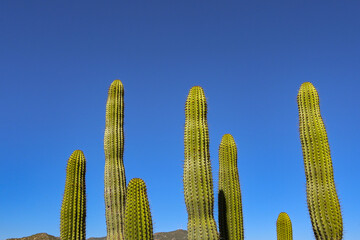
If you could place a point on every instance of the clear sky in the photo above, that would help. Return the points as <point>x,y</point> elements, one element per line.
<point>58,58</point>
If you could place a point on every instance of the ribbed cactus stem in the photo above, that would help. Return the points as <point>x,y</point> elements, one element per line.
<point>284,227</point>
<point>73,208</point>
<point>197,179</point>
<point>138,222</point>
<point>115,181</point>
<point>230,206</point>
<point>322,199</point>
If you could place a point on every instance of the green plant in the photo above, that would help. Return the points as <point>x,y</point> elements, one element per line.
<point>138,222</point>
<point>283,227</point>
<point>322,199</point>
<point>115,181</point>
<point>229,199</point>
<point>73,208</point>
<point>198,183</point>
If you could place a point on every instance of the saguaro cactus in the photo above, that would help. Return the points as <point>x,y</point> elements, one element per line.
<point>73,209</point>
<point>198,183</point>
<point>283,227</point>
<point>322,199</point>
<point>138,222</point>
<point>230,207</point>
<point>115,181</point>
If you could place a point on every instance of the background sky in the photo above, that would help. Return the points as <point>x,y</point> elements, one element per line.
<point>58,59</point>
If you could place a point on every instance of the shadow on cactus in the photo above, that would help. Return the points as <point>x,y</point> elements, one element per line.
<point>223,227</point>
<point>229,201</point>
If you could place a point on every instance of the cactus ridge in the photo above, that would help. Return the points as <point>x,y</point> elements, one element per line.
<point>114,179</point>
<point>197,179</point>
<point>322,199</point>
<point>230,204</point>
<point>284,227</point>
<point>138,222</point>
<point>73,208</point>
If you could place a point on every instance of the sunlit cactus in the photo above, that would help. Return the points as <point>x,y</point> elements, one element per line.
<point>230,206</point>
<point>322,199</point>
<point>73,208</point>
<point>115,181</point>
<point>197,179</point>
<point>138,222</point>
<point>284,227</point>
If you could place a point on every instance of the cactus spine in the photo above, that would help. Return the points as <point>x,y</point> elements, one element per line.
<point>198,184</point>
<point>73,209</point>
<point>283,227</point>
<point>115,181</point>
<point>230,206</point>
<point>322,199</point>
<point>138,222</point>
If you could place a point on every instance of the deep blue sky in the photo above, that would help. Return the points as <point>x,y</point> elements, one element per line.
<point>58,58</point>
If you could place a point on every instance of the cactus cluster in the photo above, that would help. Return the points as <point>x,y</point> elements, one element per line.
<point>127,209</point>
<point>128,215</point>
<point>322,199</point>
<point>73,208</point>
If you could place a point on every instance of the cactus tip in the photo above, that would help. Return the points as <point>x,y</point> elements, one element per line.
<point>228,137</point>
<point>306,86</point>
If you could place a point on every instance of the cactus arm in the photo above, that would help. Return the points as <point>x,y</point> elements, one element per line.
<point>284,227</point>
<point>73,209</point>
<point>322,199</point>
<point>230,204</point>
<point>198,184</point>
<point>138,221</point>
<point>114,179</point>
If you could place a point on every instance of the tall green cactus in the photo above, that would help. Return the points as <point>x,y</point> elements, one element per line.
<point>322,199</point>
<point>73,209</point>
<point>138,222</point>
<point>198,183</point>
<point>284,227</point>
<point>115,181</point>
<point>230,206</point>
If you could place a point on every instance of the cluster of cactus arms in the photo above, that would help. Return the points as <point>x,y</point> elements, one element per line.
<point>115,181</point>
<point>284,227</point>
<point>229,199</point>
<point>197,179</point>
<point>322,199</point>
<point>73,208</point>
<point>138,222</point>
<point>127,209</point>
<point>128,215</point>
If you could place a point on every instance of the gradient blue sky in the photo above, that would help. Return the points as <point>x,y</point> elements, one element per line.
<point>58,58</point>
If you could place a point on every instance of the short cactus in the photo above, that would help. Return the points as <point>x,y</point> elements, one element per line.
<point>138,222</point>
<point>322,199</point>
<point>198,183</point>
<point>231,224</point>
<point>115,181</point>
<point>284,227</point>
<point>73,209</point>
